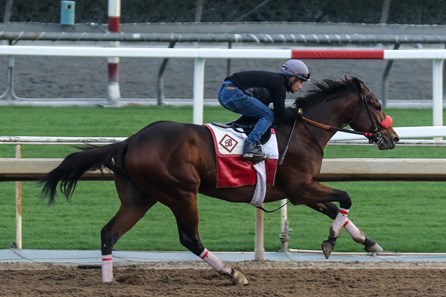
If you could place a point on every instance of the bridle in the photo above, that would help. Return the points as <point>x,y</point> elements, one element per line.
<point>374,137</point>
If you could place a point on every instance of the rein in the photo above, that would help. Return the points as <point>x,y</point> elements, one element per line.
<point>273,210</point>
<point>328,127</point>
<point>285,150</point>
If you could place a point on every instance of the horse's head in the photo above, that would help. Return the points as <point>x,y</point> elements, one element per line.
<point>371,119</point>
<point>348,102</point>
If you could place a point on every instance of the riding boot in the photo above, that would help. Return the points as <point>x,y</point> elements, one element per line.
<point>253,152</point>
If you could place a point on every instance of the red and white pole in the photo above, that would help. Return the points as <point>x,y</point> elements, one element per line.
<point>114,21</point>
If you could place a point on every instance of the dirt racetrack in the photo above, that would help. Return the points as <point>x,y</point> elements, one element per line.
<point>197,279</point>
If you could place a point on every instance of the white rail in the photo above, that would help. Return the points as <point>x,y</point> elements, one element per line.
<point>201,54</point>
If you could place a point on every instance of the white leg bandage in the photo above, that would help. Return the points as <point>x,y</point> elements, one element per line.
<point>215,262</point>
<point>354,232</point>
<point>339,222</point>
<point>107,269</point>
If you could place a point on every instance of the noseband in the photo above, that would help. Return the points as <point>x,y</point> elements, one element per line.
<point>374,137</point>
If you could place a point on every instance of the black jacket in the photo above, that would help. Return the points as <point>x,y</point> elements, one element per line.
<point>268,87</point>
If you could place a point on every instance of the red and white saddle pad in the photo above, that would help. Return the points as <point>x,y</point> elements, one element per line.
<point>234,171</point>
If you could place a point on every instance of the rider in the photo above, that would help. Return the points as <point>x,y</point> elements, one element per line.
<point>234,95</point>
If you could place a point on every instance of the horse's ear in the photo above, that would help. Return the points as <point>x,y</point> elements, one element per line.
<point>348,78</point>
<point>357,82</point>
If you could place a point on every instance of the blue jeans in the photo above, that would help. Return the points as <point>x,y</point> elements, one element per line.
<point>238,101</point>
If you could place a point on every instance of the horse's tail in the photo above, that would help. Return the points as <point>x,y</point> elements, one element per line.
<point>76,164</point>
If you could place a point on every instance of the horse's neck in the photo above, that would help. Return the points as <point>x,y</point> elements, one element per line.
<point>328,114</point>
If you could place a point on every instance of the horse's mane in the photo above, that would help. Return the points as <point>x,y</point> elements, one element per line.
<point>322,91</point>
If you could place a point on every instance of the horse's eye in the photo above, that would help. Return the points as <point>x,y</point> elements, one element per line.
<point>377,105</point>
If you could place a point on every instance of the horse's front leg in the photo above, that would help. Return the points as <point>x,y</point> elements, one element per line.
<point>331,210</point>
<point>318,193</point>
<point>338,223</point>
<point>358,236</point>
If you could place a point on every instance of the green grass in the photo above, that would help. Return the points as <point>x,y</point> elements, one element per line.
<point>401,216</point>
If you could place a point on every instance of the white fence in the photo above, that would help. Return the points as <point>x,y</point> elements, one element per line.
<point>201,54</point>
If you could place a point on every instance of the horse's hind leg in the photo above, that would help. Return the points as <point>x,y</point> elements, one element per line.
<point>331,210</point>
<point>186,214</point>
<point>134,205</point>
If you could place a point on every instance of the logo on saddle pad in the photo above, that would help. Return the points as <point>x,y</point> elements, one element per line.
<point>232,169</point>
<point>228,143</point>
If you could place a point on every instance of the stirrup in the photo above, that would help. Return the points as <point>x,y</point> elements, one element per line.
<point>255,159</point>
<point>251,150</point>
<point>253,153</point>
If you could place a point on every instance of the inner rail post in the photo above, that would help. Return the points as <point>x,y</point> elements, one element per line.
<point>18,199</point>
<point>437,92</point>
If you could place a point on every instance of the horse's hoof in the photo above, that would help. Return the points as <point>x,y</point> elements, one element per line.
<point>327,248</point>
<point>238,278</point>
<point>376,248</point>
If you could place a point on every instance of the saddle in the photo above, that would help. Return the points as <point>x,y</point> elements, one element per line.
<point>245,125</point>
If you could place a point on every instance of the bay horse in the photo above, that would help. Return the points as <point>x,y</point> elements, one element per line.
<point>170,162</point>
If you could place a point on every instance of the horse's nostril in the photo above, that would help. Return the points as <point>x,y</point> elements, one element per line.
<point>396,139</point>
